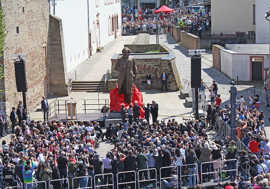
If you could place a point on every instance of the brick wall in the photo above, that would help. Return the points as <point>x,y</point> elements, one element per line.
<point>56,59</point>
<point>190,41</point>
<point>31,18</point>
<point>216,56</point>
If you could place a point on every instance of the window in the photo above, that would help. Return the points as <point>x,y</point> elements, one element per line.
<point>254,14</point>
<point>17,30</point>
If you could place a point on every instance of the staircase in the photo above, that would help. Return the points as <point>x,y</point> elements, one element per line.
<point>89,86</point>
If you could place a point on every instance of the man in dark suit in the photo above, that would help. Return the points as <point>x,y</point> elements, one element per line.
<point>136,111</point>
<point>147,112</point>
<point>20,112</point>
<point>45,108</point>
<point>164,78</point>
<point>13,118</point>
<point>154,111</point>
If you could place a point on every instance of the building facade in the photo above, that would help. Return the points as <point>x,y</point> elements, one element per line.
<point>243,62</point>
<point>88,25</point>
<point>262,25</point>
<point>26,23</point>
<point>231,16</point>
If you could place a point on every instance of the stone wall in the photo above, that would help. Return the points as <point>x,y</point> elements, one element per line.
<point>216,56</point>
<point>155,66</point>
<point>176,33</point>
<point>190,41</point>
<point>56,59</point>
<point>27,31</point>
<point>142,48</point>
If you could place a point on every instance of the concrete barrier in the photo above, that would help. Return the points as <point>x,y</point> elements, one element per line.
<point>190,41</point>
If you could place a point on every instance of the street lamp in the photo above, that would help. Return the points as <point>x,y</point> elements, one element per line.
<point>267,81</point>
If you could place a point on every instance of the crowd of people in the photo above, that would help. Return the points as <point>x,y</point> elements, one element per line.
<point>254,161</point>
<point>43,151</point>
<point>136,21</point>
<point>50,150</point>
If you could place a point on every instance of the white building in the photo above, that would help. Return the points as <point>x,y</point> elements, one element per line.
<point>245,62</point>
<point>262,25</point>
<point>231,16</point>
<point>88,25</point>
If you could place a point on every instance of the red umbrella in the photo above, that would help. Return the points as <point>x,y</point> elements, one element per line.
<point>164,9</point>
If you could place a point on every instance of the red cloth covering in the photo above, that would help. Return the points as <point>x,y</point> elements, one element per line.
<point>254,146</point>
<point>117,100</point>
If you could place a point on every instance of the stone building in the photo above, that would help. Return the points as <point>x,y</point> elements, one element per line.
<point>28,24</point>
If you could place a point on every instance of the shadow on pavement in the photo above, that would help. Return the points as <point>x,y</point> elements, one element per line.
<point>216,75</point>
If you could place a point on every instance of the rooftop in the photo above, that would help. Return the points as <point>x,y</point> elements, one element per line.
<point>249,48</point>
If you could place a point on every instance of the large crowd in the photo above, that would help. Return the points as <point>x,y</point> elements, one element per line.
<point>49,150</point>
<point>136,21</point>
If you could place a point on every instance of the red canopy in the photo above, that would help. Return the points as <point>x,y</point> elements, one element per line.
<point>164,9</point>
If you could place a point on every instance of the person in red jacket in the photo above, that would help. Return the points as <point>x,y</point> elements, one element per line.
<point>218,101</point>
<point>254,146</point>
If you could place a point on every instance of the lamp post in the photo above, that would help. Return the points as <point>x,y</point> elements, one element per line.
<point>233,95</point>
<point>267,81</point>
<point>157,37</point>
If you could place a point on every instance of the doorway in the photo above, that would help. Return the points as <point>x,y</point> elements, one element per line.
<point>257,67</point>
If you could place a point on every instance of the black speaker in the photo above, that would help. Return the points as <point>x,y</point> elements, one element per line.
<point>20,76</point>
<point>195,71</point>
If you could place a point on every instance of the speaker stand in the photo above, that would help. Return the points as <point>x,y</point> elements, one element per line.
<point>196,104</point>
<point>24,100</point>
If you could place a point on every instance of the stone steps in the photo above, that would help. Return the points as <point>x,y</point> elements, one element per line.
<point>89,86</point>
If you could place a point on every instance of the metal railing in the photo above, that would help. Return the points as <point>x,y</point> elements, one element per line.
<point>170,177</point>
<point>229,169</point>
<point>76,109</point>
<point>94,104</point>
<point>104,181</point>
<point>58,183</point>
<point>14,187</point>
<point>210,171</point>
<point>188,175</point>
<point>145,179</point>
<point>40,184</point>
<point>82,182</point>
<point>125,179</point>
